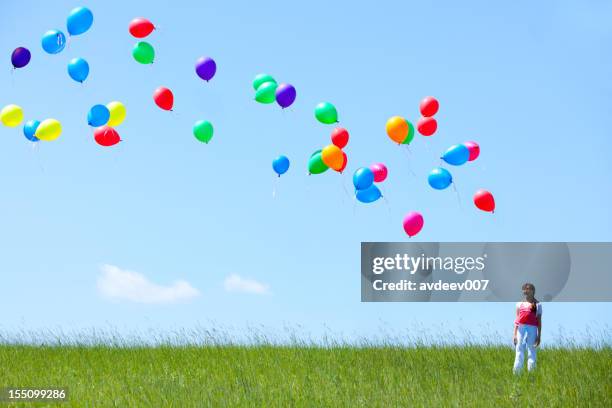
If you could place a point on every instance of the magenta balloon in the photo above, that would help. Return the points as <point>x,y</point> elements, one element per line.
<point>380,172</point>
<point>285,95</point>
<point>413,222</point>
<point>206,68</point>
<point>474,150</point>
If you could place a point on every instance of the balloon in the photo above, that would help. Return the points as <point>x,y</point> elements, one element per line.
<point>439,178</point>
<point>398,129</point>
<point>380,172</point>
<point>456,155</point>
<point>164,98</point>
<point>29,130</point>
<point>340,137</point>
<point>117,113</point>
<point>326,113</point>
<point>474,150</point>
<point>332,157</point>
<point>11,115</point>
<point>203,131</point>
<point>344,163</point>
<point>413,223</point>
<point>280,165</point>
<point>106,136</point>
<point>410,133</point>
<point>285,95</point>
<point>266,93</point>
<point>143,52</point>
<point>20,57</point>
<point>78,69</point>
<point>79,20</point>
<point>368,195</point>
<point>363,178</point>
<point>429,106</point>
<point>53,41</point>
<point>206,68</point>
<point>98,116</point>
<point>262,79</point>
<point>315,164</point>
<point>427,126</point>
<point>49,130</point>
<point>141,27</point>
<point>484,201</point>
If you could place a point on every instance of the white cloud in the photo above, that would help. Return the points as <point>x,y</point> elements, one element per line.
<point>236,283</point>
<point>118,284</point>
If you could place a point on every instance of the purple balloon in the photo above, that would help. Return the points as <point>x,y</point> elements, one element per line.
<point>285,95</point>
<point>206,68</point>
<point>20,57</point>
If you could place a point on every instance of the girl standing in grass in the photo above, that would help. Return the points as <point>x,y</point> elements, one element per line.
<point>527,328</point>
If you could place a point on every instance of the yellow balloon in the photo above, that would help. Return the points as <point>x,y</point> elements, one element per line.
<point>48,130</point>
<point>117,113</point>
<point>397,129</point>
<point>11,115</point>
<point>332,156</point>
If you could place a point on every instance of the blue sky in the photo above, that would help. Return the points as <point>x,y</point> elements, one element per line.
<point>530,82</point>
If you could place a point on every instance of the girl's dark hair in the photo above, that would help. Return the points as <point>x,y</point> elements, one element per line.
<point>534,304</point>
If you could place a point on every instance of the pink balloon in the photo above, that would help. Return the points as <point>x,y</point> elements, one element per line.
<point>474,150</point>
<point>413,223</point>
<point>380,172</point>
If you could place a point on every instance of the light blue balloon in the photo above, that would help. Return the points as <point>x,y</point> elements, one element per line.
<point>280,165</point>
<point>78,69</point>
<point>79,20</point>
<point>98,116</point>
<point>440,178</point>
<point>369,195</point>
<point>363,178</point>
<point>29,130</point>
<point>456,155</point>
<point>53,41</point>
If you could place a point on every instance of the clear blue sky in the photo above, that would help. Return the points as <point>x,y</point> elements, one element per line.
<point>530,82</point>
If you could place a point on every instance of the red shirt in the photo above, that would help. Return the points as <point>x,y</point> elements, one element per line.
<point>526,315</point>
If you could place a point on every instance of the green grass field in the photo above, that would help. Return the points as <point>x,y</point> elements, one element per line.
<point>340,376</point>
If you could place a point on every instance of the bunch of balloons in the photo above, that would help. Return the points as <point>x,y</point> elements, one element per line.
<point>331,155</point>
<point>104,118</point>
<point>34,130</point>
<point>427,125</point>
<point>363,180</point>
<point>267,90</point>
<point>79,21</point>
<point>143,52</point>
<point>400,130</point>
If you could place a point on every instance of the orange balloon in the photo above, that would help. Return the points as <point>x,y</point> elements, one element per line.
<point>397,129</point>
<point>332,156</point>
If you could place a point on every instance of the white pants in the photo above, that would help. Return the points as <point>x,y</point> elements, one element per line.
<point>525,338</point>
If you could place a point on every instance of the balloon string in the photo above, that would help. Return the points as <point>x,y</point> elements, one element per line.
<point>409,156</point>
<point>387,204</point>
<point>275,185</point>
<point>457,194</point>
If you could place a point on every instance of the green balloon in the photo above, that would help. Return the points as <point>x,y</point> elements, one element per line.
<point>262,79</point>
<point>326,113</point>
<point>266,93</point>
<point>203,131</point>
<point>143,52</point>
<point>410,134</point>
<point>315,164</point>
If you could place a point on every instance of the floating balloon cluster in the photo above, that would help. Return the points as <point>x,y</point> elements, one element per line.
<point>331,155</point>
<point>143,52</point>
<point>267,90</point>
<point>427,125</point>
<point>363,180</point>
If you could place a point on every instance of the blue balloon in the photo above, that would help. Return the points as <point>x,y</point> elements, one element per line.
<point>363,178</point>
<point>78,69</point>
<point>79,20</point>
<point>98,116</point>
<point>280,165</point>
<point>29,130</point>
<point>440,178</point>
<point>369,195</point>
<point>53,41</point>
<point>456,155</point>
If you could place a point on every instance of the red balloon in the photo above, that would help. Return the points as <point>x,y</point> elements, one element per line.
<point>427,126</point>
<point>474,150</point>
<point>340,137</point>
<point>163,98</point>
<point>106,136</point>
<point>429,106</point>
<point>484,201</point>
<point>141,27</point>
<point>341,169</point>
